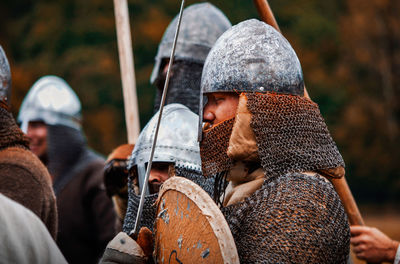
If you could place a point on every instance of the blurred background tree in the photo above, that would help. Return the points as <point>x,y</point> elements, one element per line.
<point>349,49</point>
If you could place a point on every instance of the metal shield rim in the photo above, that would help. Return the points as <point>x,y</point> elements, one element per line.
<point>209,209</point>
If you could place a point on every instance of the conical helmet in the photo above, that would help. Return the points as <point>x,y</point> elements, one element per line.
<point>201,26</point>
<point>176,142</point>
<point>252,57</point>
<point>52,101</point>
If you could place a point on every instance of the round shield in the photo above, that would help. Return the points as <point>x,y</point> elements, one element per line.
<point>189,227</point>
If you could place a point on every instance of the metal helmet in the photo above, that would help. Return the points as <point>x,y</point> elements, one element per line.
<point>176,142</point>
<point>252,57</point>
<point>52,101</point>
<point>201,26</point>
<point>5,76</point>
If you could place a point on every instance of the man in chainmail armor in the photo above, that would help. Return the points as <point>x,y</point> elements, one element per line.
<point>201,25</point>
<point>177,153</point>
<point>51,116</point>
<point>270,151</point>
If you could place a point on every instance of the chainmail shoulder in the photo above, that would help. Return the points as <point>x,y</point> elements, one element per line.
<point>291,134</point>
<point>294,218</point>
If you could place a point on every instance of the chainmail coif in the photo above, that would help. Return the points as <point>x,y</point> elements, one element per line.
<point>213,148</point>
<point>291,134</point>
<point>184,85</point>
<point>148,213</point>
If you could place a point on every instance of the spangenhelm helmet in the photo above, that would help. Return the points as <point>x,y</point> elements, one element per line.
<point>52,101</point>
<point>176,142</point>
<point>252,57</point>
<point>201,26</point>
<point>5,77</point>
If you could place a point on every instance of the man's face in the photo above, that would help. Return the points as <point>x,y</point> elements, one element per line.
<point>220,107</point>
<point>158,175</point>
<point>37,134</point>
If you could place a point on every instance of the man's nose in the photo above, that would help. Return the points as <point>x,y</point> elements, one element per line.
<point>154,178</point>
<point>208,114</point>
<point>30,132</point>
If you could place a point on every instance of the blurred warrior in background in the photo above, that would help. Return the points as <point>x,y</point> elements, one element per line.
<point>201,25</point>
<point>116,181</point>
<point>23,177</point>
<point>51,116</point>
<point>268,147</point>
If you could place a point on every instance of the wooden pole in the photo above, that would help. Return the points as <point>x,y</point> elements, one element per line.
<point>127,70</point>
<point>266,15</point>
<point>265,12</point>
<point>341,186</point>
<point>350,206</point>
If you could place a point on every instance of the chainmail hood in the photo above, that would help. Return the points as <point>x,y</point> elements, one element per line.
<point>67,154</point>
<point>184,85</point>
<point>201,25</point>
<point>5,77</point>
<point>177,144</point>
<point>291,134</point>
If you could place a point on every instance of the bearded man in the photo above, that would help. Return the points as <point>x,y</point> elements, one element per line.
<point>269,149</point>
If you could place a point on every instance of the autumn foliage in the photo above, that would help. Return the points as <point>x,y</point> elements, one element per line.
<point>349,50</point>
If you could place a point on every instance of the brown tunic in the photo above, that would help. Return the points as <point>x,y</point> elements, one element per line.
<point>23,178</point>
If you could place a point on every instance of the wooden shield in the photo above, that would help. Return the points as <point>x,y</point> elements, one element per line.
<point>189,227</point>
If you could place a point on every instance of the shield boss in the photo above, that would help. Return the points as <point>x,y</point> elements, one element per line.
<point>189,227</point>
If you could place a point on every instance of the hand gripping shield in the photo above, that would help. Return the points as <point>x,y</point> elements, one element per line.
<point>202,24</point>
<point>52,101</point>
<point>5,76</point>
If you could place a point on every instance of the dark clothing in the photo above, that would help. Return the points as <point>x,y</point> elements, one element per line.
<point>23,178</point>
<point>86,215</point>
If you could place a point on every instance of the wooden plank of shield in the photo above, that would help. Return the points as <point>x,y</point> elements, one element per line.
<point>189,227</point>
